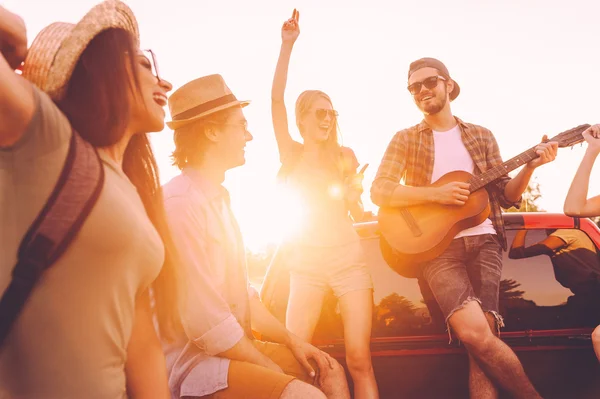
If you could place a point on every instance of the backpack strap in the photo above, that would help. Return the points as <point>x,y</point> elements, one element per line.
<point>77,190</point>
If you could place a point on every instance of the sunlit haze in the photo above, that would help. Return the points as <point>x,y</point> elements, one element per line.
<point>526,68</point>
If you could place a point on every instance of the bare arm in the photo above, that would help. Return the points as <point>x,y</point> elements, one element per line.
<point>387,190</point>
<point>404,195</point>
<point>547,246</point>
<point>289,34</point>
<point>517,186</point>
<point>264,322</point>
<point>16,97</point>
<point>577,203</point>
<point>245,351</point>
<point>145,369</point>
<point>207,319</point>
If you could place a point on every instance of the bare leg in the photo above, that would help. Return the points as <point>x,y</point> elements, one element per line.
<point>480,386</point>
<point>333,383</point>
<point>357,308</point>
<point>303,310</point>
<point>495,358</point>
<point>297,389</point>
<point>596,341</point>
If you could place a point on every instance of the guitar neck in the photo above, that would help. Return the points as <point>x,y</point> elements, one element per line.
<point>498,171</point>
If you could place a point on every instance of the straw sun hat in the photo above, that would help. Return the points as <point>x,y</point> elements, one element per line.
<point>55,51</point>
<point>199,98</point>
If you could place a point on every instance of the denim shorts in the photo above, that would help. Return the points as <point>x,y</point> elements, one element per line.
<point>468,270</point>
<point>341,268</point>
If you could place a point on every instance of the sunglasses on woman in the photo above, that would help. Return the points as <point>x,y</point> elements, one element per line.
<point>429,83</point>
<point>321,113</point>
<point>153,62</point>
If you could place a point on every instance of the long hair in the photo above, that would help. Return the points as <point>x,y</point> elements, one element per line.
<point>331,148</point>
<point>97,104</point>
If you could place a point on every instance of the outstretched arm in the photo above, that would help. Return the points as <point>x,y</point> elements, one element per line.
<point>545,247</point>
<point>517,186</point>
<point>577,203</point>
<point>289,34</point>
<point>16,96</point>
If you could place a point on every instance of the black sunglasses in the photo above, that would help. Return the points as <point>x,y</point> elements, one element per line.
<point>321,113</point>
<point>429,83</point>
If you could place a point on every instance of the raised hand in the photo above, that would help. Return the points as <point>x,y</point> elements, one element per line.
<point>291,28</point>
<point>13,38</point>
<point>592,137</point>
<point>455,193</point>
<point>354,187</point>
<point>547,152</point>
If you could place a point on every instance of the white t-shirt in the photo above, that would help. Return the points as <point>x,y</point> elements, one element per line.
<point>450,154</point>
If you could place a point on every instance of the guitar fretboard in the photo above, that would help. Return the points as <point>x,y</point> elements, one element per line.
<point>496,172</point>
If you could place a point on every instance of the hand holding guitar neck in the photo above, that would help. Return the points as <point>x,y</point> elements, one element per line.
<point>415,234</point>
<point>547,153</point>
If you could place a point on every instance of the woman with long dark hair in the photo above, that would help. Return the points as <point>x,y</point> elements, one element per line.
<point>326,252</point>
<point>87,328</point>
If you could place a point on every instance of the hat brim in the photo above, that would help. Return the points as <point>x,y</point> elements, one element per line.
<point>173,125</point>
<point>455,92</point>
<point>110,14</point>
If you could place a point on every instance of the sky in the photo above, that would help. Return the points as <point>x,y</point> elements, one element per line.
<point>525,67</point>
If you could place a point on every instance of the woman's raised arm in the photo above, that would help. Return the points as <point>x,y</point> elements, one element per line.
<point>16,96</point>
<point>289,34</point>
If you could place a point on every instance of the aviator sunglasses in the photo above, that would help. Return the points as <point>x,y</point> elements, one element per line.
<point>429,83</point>
<point>321,113</point>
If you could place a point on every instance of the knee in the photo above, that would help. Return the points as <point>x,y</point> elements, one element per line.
<point>596,337</point>
<point>336,373</point>
<point>474,333</point>
<point>297,389</point>
<point>359,362</point>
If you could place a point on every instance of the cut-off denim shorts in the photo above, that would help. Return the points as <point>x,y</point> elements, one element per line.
<point>468,270</point>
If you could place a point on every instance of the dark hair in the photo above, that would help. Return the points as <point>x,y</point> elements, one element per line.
<point>191,141</point>
<point>97,104</point>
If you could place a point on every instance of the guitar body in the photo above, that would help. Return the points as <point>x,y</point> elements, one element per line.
<point>416,234</point>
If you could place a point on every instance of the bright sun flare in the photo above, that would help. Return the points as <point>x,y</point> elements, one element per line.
<point>276,215</point>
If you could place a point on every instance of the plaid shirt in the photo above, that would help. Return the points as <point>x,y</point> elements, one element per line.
<point>410,155</point>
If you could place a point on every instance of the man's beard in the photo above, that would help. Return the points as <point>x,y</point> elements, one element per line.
<point>435,106</point>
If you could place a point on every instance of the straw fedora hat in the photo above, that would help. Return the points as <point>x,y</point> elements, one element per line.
<point>55,51</point>
<point>199,98</point>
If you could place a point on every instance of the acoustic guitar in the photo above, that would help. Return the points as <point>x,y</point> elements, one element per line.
<point>416,234</point>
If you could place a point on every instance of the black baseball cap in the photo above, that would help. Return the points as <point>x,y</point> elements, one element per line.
<point>437,64</point>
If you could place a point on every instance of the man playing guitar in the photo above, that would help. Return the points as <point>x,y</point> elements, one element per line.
<point>465,278</point>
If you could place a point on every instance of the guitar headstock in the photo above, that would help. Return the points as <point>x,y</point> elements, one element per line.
<point>570,137</point>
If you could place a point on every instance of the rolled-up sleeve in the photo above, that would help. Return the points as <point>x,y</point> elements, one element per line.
<point>390,172</point>
<point>493,159</point>
<point>207,318</point>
